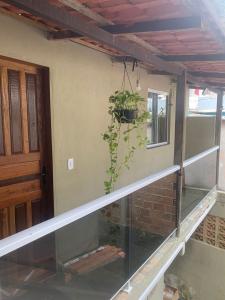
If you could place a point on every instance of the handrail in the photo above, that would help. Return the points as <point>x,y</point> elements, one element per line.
<point>199,156</point>
<point>29,235</point>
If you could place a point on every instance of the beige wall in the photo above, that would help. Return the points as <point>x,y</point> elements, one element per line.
<point>222,158</point>
<point>200,134</point>
<point>81,82</point>
<point>202,269</point>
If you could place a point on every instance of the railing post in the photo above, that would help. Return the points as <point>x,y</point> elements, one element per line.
<point>218,130</point>
<point>179,147</point>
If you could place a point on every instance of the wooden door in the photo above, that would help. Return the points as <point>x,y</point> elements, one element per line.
<point>25,150</point>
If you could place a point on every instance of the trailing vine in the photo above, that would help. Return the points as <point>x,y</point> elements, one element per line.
<point>120,130</point>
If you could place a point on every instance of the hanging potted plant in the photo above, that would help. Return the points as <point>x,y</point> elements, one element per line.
<point>125,105</point>
<point>128,116</point>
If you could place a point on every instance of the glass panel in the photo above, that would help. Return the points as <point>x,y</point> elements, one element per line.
<point>15,110</point>
<point>199,179</point>
<point>93,258</point>
<point>200,122</point>
<point>157,129</point>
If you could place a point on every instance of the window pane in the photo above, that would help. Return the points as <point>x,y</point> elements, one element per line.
<point>157,129</point>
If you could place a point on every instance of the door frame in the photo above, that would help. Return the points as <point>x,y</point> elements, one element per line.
<point>44,128</point>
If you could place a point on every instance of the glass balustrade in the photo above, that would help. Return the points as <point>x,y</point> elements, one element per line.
<point>93,257</point>
<point>199,178</point>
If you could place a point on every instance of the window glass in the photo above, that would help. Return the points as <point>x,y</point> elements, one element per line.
<point>157,129</point>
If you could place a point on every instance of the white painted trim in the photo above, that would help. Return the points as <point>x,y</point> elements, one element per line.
<point>199,156</point>
<point>181,244</point>
<point>150,146</point>
<point>29,235</point>
<point>161,272</point>
<point>158,92</point>
<point>202,216</point>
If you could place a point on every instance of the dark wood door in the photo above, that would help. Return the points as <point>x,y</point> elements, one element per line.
<point>25,150</point>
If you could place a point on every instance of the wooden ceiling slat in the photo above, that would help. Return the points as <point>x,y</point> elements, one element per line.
<point>61,18</point>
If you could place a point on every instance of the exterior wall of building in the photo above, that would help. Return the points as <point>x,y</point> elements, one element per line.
<point>81,81</point>
<point>204,259</point>
<point>200,134</point>
<point>222,158</point>
<point>200,272</point>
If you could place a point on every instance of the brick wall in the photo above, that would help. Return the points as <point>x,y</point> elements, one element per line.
<point>152,209</point>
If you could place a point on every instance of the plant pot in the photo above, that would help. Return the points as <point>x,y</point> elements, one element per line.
<point>126,115</point>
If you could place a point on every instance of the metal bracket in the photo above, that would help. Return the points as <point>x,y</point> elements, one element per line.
<point>128,287</point>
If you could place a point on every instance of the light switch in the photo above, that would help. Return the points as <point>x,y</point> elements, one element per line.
<point>70,164</point>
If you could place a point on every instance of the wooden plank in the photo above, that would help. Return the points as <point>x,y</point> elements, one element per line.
<point>15,111</point>
<point>32,112</point>
<point>14,159</point>
<point>208,74</point>
<point>23,198</point>
<point>14,191</point>
<point>195,57</point>
<point>5,111</point>
<point>29,213</point>
<point>156,25</point>
<point>60,35</point>
<point>2,150</point>
<point>17,65</point>
<point>4,223</point>
<point>77,24</point>
<point>141,27</point>
<point>18,170</point>
<point>84,10</point>
<point>78,6</point>
<point>21,216</point>
<point>12,219</point>
<point>24,114</point>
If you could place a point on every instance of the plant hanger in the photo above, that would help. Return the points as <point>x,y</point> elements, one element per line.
<point>126,74</point>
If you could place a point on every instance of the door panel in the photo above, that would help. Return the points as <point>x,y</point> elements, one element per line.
<point>25,195</point>
<point>15,111</point>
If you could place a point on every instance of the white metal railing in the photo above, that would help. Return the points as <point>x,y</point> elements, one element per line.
<point>199,156</point>
<point>29,235</point>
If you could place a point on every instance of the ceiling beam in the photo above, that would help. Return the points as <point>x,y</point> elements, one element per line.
<point>151,26</point>
<point>101,21</point>
<point>194,81</point>
<point>79,7</point>
<point>157,25</point>
<point>208,74</point>
<point>64,19</point>
<point>66,34</point>
<point>195,57</point>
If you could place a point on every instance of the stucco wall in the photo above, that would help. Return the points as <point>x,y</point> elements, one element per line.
<point>222,158</point>
<point>81,81</point>
<point>202,270</point>
<point>200,134</point>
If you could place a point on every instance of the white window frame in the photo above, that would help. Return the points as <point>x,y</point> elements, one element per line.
<point>149,146</point>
